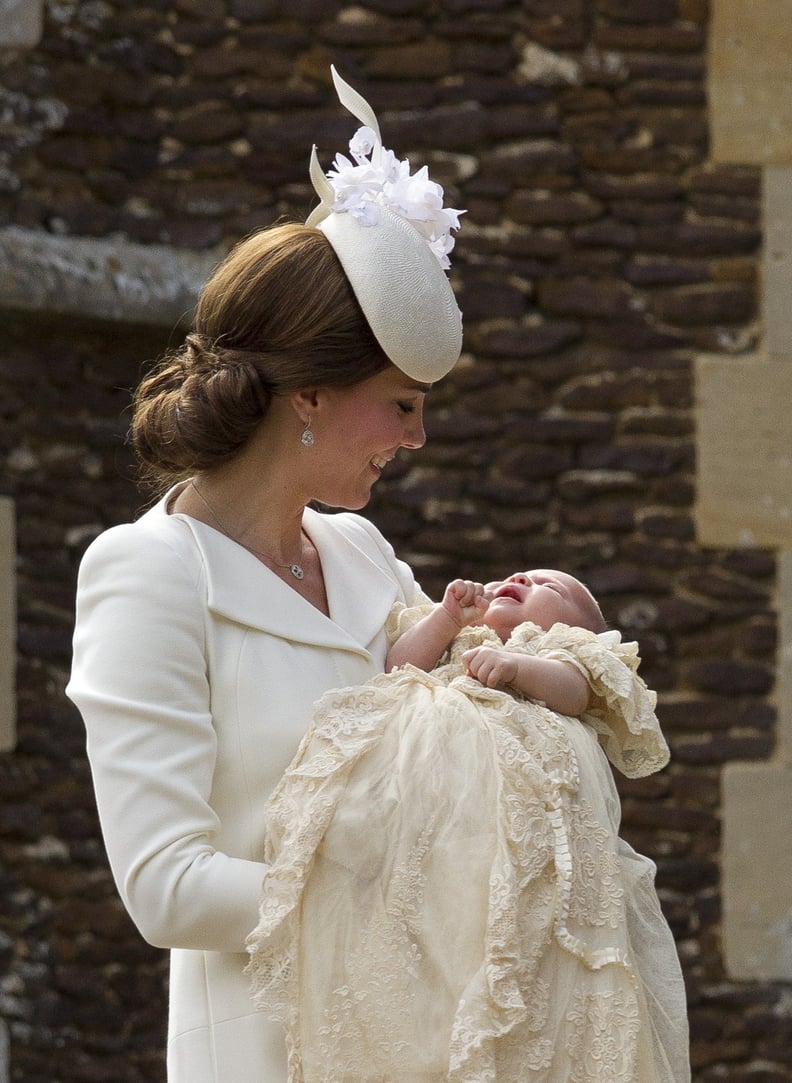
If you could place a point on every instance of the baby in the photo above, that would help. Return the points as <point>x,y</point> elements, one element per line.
<point>545,597</point>
<point>448,897</point>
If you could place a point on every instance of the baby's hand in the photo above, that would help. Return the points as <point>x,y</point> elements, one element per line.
<point>491,666</point>
<point>464,602</point>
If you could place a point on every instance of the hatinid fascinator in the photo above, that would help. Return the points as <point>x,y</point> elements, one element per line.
<point>392,236</point>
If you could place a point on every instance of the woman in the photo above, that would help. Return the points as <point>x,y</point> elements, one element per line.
<point>313,349</point>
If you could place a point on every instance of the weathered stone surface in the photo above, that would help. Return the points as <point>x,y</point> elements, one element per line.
<point>20,23</point>
<point>207,122</point>
<point>705,238</point>
<point>750,116</point>
<point>420,60</point>
<point>105,279</point>
<point>491,298</point>
<point>727,179</point>
<point>580,297</point>
<point>605,232</point>
<point>706,304</point>
<point>559,31</point>
<point>675,37</point>
<point>639,187</point>
<point>663,271</point>
<point>547,208</point>
<point>639,11</point>
<point>362,27</point>
<point>750,499</point>
<point>514,162</point>
<point>533,337</point>
<point>731,678</point>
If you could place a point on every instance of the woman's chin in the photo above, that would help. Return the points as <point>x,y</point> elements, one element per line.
<point>347,502</point>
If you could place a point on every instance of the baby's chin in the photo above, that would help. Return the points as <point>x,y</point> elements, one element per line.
<point>503,622</point>
<point>500,624</point>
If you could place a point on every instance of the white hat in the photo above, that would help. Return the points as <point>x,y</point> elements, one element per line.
<point>392,236</point>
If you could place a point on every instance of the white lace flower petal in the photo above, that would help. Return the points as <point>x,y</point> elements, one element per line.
<point>441,251</point>
<point>362,142</point>
<point>378,177</point>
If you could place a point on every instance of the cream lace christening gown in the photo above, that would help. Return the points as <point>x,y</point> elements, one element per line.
<point>448,897</point>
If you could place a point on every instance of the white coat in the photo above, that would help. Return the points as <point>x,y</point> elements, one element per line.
<point>195,670</point>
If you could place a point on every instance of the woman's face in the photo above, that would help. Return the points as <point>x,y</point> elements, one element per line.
<point>358,430</point>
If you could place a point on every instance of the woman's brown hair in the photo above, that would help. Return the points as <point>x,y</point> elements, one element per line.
<point>278,315</point>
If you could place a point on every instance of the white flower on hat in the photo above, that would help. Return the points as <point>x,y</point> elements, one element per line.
<point>362,143</point>
<point>374,177</point>
<point>377,178</point>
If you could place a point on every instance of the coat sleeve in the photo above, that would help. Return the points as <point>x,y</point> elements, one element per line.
<point>139,679</point>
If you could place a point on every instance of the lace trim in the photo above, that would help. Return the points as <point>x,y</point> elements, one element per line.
<point>622,711</point>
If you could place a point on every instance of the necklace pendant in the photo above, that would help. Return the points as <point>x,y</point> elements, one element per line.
<point>296,571</point>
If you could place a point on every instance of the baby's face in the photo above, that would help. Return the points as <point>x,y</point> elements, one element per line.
<point>544,596</point>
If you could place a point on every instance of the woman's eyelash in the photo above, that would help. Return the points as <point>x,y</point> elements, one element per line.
<point>407,407</point>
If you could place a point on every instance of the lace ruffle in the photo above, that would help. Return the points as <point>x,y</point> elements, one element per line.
<point>622,711</point>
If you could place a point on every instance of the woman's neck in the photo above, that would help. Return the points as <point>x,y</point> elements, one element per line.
<point>256,499</point>
<point>259,516</point>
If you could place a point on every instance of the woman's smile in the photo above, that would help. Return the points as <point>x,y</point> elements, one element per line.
<point>379,463</point>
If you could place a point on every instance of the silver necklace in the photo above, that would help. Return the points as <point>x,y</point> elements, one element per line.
<point>295,568</point>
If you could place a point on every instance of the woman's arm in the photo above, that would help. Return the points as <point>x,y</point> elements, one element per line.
<point>425,643</point>
<point>139,678</point>
<point>558,684</point>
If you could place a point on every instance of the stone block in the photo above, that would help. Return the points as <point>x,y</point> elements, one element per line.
<point>783,752</point>
<point>533,337</point>
<point>750,92</point>
<point>777,259</point>
<point>20,22</point>
<point>676,37</point>
<point>586,297</point>
<point>418,60</point>
<point>542,66</point>
<point>639,11</point>
<point>757,877</point>
<point>701,238</point>
<point>744,431</point>
<point>706,304</point>
<point>110,280</point>
<point>558,32</point>
<point>7,625</point>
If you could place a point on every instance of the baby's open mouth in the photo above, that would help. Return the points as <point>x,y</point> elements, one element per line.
<point>509,590</point>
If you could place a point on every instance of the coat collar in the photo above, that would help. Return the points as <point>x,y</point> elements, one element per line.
<point>360,592</point>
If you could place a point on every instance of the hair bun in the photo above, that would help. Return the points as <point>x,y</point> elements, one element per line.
<point>196,341</point>
<point>200,351</point>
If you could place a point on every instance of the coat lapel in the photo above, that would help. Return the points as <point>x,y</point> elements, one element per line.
<point>360,591</point>
<point>361,588</point>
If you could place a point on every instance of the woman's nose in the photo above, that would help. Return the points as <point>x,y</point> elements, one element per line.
<point>415,436</point>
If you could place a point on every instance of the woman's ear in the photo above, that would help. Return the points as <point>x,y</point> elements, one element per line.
<point>305,402</point>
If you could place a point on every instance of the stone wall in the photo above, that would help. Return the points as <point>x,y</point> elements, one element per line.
<point>744,467</point>
<point>82,994</point>
<point>601,252</point>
